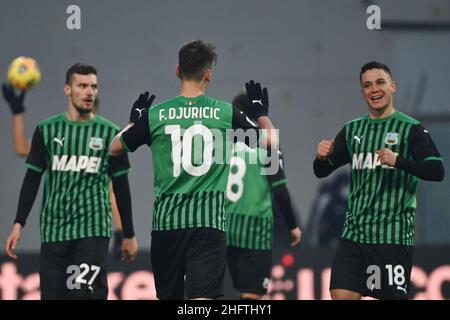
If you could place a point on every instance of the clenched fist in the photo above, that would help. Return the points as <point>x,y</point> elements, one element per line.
<point>387,156</point>
<point>324,149</point>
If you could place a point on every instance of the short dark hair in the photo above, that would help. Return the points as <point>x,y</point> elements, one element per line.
<point>194,58</point>
<point>79,68</point>
<point>374,65</point>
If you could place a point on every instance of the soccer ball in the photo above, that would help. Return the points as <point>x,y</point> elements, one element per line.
<point>24,73</point>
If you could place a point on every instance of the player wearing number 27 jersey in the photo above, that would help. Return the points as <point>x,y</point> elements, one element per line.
<point>71,151</point>
<point>188,138</point>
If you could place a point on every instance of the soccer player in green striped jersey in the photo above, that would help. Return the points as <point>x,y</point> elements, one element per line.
<point>250,216</point>
<point>187,134</point>
<point>22,146</point>
<point>75,221</point>
<point>388,153</point>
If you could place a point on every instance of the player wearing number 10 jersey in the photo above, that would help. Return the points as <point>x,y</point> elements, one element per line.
<point>186,134</point>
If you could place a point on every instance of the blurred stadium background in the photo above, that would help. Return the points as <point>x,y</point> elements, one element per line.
<point>307,52</point>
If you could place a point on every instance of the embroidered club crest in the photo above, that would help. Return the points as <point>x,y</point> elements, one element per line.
<point>266,282</point>
<point>391,138</point>
<point>96,143</point>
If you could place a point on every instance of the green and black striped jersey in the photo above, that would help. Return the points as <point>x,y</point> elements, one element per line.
<point>74,155</point>
<point>382,201</point>
<point>249,197</point>
<point>190,145</point>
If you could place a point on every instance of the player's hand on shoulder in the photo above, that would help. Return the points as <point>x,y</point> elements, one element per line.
<point>129,249</point>
<point>13,240</point>
<point>325,149</point>
<point>141,105</point>
<point>296,236</point>
<point>14,100</point>
<point>259,99</point>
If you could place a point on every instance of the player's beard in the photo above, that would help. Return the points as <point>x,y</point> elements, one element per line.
<point>83,111</point>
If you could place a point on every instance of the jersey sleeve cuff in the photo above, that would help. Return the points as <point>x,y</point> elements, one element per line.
<point>121,172</point>
<point>433,158</point>
<point>278,183</point>
<point>33,167</point>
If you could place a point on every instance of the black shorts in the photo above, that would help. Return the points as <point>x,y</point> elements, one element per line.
<point>74,269</point>
<point>199,254</point>
<point>250,269</point>
<point>381,271</point>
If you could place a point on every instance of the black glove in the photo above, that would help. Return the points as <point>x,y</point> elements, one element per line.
<point>15,101</point>
<point>140,106</point>
<point>259,100</point>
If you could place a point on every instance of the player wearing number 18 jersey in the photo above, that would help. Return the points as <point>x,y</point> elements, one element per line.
<point>186,134</point>
<point>388,152</point>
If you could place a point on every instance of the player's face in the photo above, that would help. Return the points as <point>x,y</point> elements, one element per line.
<point>82,92</point>
<point>377,89</point>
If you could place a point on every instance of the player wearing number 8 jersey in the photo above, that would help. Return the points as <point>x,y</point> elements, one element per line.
<point>250,215</point>
<point>389,152</point>
<point>186,134</point>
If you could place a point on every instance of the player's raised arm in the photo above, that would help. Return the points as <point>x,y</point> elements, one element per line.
<point>259,110</point>
<point>138,119</point>
<point>324,149</point>
<point>330,155</point>
<point>16,104</point>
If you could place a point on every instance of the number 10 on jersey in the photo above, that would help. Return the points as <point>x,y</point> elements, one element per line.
<point>182,148</point>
